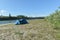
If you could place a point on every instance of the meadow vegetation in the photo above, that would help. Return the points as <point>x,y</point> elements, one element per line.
<point>38,29</point>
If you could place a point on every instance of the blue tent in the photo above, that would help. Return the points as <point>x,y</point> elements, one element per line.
<point>21,21</point>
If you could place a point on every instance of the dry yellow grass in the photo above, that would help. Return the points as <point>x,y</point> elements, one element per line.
<point>35,30</point>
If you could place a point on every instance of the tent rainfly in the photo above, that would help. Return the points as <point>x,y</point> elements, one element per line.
<point>21,21</point>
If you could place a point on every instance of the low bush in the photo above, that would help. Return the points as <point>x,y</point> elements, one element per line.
<point>54,19</point>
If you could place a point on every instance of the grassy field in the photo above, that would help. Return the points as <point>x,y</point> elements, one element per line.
<point>38,29</point>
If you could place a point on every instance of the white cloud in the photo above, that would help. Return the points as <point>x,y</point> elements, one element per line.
<point>4,12</point>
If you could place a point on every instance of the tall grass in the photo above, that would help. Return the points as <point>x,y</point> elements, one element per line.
<point>54,19</point>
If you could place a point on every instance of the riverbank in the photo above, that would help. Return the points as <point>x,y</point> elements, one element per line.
<point>38,29</point>
<point>5,24</point>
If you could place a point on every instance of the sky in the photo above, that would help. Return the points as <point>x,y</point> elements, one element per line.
<point>32,8</point>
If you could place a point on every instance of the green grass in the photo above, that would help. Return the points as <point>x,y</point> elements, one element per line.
<point>38,29</point>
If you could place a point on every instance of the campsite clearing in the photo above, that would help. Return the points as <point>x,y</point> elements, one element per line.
<point>38,29</point>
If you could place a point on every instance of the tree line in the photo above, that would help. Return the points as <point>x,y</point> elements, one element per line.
<point>18,17</point>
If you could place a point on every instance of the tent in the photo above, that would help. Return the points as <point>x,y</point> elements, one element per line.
<point>21,21</point>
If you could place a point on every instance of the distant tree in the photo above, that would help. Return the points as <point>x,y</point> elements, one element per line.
<point>59,7</point>
<point>10,15</point>
<point>21,16</point>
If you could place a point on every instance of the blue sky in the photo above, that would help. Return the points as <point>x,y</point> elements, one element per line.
<point>28,7</point>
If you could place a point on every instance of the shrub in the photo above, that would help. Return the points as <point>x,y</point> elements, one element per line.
<point>54,19</point>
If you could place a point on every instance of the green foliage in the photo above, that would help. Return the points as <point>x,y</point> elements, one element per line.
<point>10,15</point>
<point>21,16</point>
<point>54,19</point>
